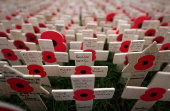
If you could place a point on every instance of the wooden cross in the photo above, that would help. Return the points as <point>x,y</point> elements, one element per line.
<point>148,96</point>
<point>83,92</point>
<point>34,66</point>
<point>27,87</point>
<point>140,63</point>
<point>11,55</point>
<point>84,65</point>
<point>89,45</point>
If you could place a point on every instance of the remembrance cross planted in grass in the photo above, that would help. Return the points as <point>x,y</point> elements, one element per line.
<point>27,87</point>
<point>148,96</point>
<point>140,63</point>
<point>83,92</point>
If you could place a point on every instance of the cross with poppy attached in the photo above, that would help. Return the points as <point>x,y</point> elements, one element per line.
<point>83,92</point>
<point>12,55</point>
<point>34,22</point>
<point>34,66</point>
<point>89,45</point>
<point>49,56</point>
<point>27,87</point>
<point>84,65</point>
<point>140,63</point>
<point>3,32</point>
<point>156,90</point>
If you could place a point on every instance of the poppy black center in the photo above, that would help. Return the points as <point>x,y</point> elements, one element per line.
<point>54,43</point>
<point>9,54</point>
<point>140,25</point>
<point>149,34</point>
<point>153,94</point>
<point>83,71</point>
<point>49,57</point>
<point>20,85</point>
<point>166,48</point>
<point>31,38</point>
<point>157,41</point>
<point>111,20</point>
<point>126,46</point>
<point>35,31</point>
<point>20,46</point>
<point>145,63</point>
<point>83,95</point>
<point>36,71</point>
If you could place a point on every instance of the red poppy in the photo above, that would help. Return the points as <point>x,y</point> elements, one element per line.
<point>42,25</point>
<point>158,39</point>
<point>36,29</point>
<point>94,18</point>
<point>138,21</point>
<point>3,108</point>
<point>110,17</point>
<point>164,24</point>
<point>153,94</point>
<point>20,45</point>
<point>48,56</point>
<point>119,37</point>
<point>125,46</point>
<point>94,35</point>
<point>2,34</point>
<point>26,21</point>
<point>20,85</point>
<point>18,27</point>
<point>57,39</point>
<point>81,47</point>
<point>150,32</point>
<point>66,27</point>
<point>8,30</point>
<point>84,95</point>
<point>36,70</point>
<point>9,54</point>
<point>31,38</point>
<point>160,18</point>
<point>165,46</point>
<point>80,70</point>
<point>145,62</point>
<point>72,22</point>
<point>8,18</point>
<point>93,53</point>
<point>126,60</point>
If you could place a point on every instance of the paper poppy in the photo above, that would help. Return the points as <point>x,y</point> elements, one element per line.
<point>64,37</point>
<point>26,21</point>
<point>31,38</point>
<point>2,34</point>
<point>164,24</point>
<point>93,53</point>
<point>80,70</point>
<point>48,56</point>
<point>8,30</point>
<point>8,18</point>
<point>165,46</point>
<point>153,94</point>
<point>110,17</point>
<point>42,25</point>
<point>160,18</point>
<point>36,70</point>
<point>18,27</point>
<point>139,21</point>
<point>119,37</point>
<point>20,85</point>
<point>145,62</point>
<point>94,35</point>
<point>125,46</point>
<point>158,39</point>
<point>84,95</point>
<point>20,45</point>
<point>126,60</point>
<point>81,47</point>
<point>9,54</point>
<point>150,32</point>
<point>57,39</point>
<point>36,29</point>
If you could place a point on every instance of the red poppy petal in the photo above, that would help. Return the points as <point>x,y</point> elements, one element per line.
<point>119,38</point>
<point>84,95</point>
<point>2,34</point>
<point>126,60</point>
<point>145,62</point>
<point>165,46</point>
<point>8,30</point>
<point>42,25</point>
<point>125,46</point>
<point>93,53</point>
<point>18,27</point>
<point>9,54</point>
<point>48,56</point>
<point>36,29</point>
<point>57,38</point>
<point>20,85</point>
<point>164,24</point>
<point>110,16</point>
<point>94,35</point>
<point>36,70</point>
<point>8,18</point>
<point>81,48</point>
<point>158,39</point>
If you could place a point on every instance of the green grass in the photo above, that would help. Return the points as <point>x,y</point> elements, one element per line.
<point>113,79</point>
